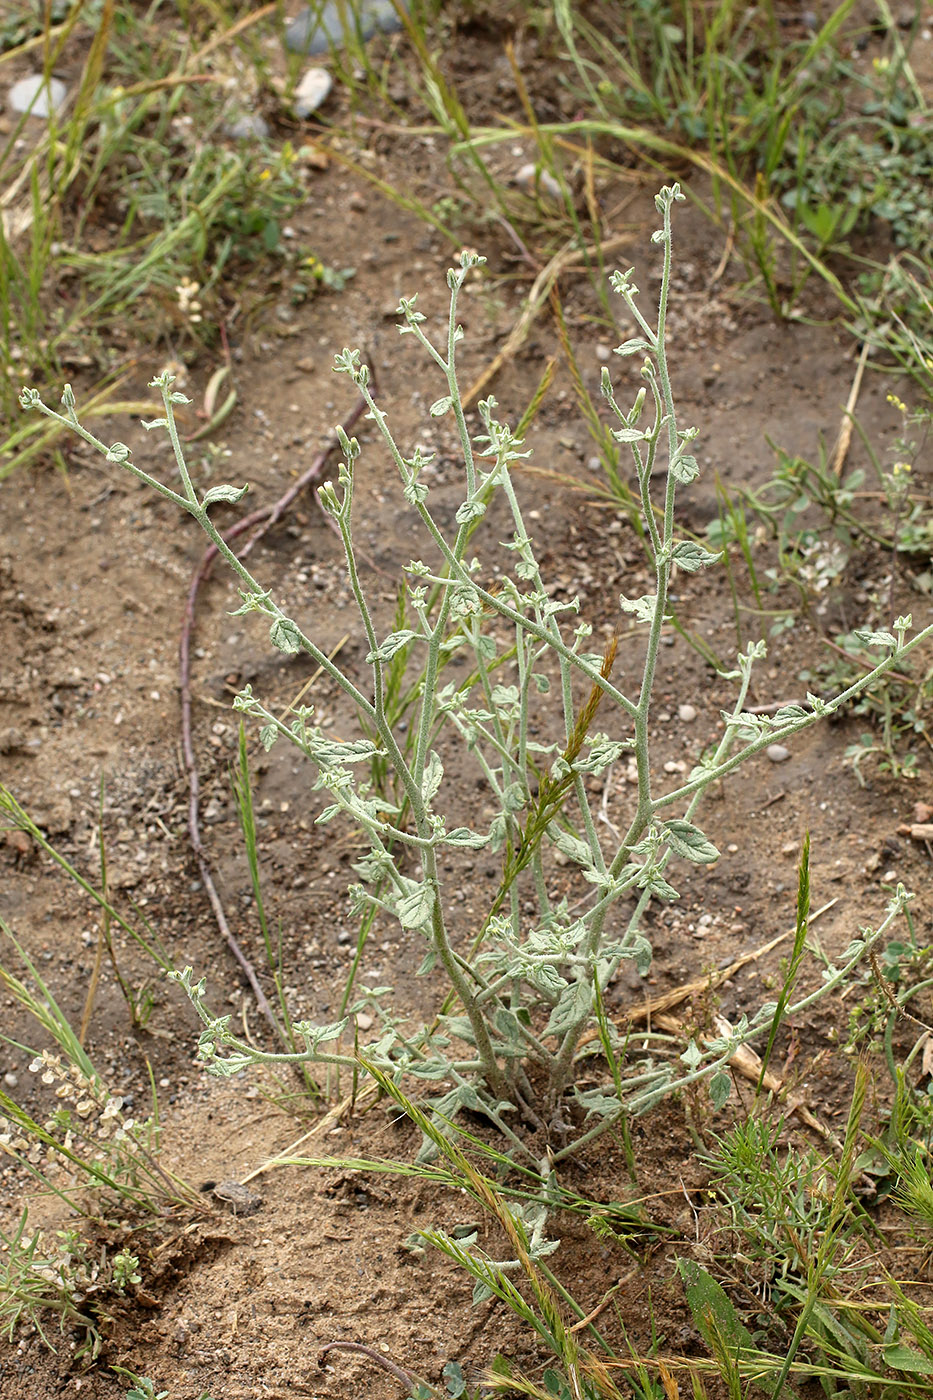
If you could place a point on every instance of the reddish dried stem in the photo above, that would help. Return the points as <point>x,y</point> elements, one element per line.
<point>383,1361</point>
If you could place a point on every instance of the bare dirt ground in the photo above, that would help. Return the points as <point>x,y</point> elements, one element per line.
<point>93,577</point>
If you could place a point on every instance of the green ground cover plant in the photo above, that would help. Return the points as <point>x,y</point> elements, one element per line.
<point>135,204</point>
<point>802,531</point>
<point>752,111</point>
<point>98,1159</point>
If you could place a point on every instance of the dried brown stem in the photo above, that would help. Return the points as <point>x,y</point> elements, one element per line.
<point>383,1361</point>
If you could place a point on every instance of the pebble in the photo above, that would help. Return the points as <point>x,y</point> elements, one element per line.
<point>686,713</point>
<point>318,30</point>
<point>533,180</point>
<point>305,364</point>
<point>10,1079</point>
<point>37,96</point>
<point>312,91</point>
<point>674,765</point>
<point>777,753</point>
<point>364,1022</point>
<point>249,127</point>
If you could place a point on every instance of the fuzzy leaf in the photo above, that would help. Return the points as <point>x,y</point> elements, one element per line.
<point>574,1003</point>
<point>717,1320</point>
<point>692,557</point>
<point>319,1035</point>
<point>513,798</point>
<point>685,469</point>
<point>229,494</point>
<point>720,1087</point>
<point>595,1101</point>
<point>640,952</point>
<point>643,608</point>
<point>415,492</point>
<point>548,980</point>
<point>414,909</point>
<point>393,643</point>
<point>904,1358</point>
<point>431,779</point>
<point>284,635</point>
<point>454,1380</point>
<point>570,845</point>
<point>875,639</point>
<point>658,886</point>
<point>688,842</point>
<point>470,510</point>
<point>632,347</point>
<point>463,836</point>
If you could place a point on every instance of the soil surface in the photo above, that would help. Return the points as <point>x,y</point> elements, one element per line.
<point>95,569</point>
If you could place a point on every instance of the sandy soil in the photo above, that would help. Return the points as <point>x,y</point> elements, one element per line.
<point>93,578</point>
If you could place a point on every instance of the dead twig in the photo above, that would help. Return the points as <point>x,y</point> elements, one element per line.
<point>569,256</point>
<point>669,1000</point>
<point>404,1376</point>
<point>845,429</point>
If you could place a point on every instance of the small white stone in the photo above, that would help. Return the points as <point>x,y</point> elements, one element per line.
<point>686,713</point>
<point>364,1021</point>
<point>674,765</point>
<point>10,1079</point>
<point>777,753</point>
<point>248,127</point>
<point>312,91</point>
<point>38,96</point>
<point>532,179</point>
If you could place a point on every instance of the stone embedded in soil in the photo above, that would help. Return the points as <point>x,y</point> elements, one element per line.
<point>317,31</point>
<point>312,91</point>
<point>533,180</point>
<point>37,96</point>
<point>686,713</point>
<point>248,127</point>
<point>777,753</point>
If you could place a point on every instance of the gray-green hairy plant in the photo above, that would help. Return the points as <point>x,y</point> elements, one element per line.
<point>524,993</point>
